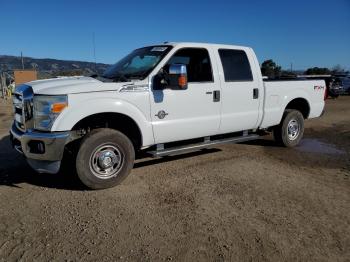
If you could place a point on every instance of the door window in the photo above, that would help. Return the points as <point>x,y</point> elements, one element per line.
<point>197,61</point>
<point>236,65</point>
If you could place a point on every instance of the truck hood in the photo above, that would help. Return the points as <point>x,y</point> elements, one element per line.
<point>71,85</point>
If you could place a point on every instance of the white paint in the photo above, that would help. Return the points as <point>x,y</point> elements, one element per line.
<point>192,112</point>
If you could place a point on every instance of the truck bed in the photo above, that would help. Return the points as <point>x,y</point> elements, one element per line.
<point>278,93</point>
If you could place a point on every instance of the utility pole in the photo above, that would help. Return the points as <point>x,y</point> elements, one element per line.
<point>2,84</point>
<point>22,61</point>
<point>291,67</point>
<point>2,88</point>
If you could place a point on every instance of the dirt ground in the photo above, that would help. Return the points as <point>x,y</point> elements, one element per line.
<point>239,202</point>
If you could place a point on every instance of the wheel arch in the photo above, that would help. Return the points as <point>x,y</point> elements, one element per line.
<point>113,120</point>
<point>300,104</point>
<point>79,111</point>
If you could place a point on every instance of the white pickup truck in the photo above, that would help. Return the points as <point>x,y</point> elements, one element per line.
<point>163,100</point>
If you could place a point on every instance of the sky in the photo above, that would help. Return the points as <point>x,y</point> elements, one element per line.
<point>304,33</point>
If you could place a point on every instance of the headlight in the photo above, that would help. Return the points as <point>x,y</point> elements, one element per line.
<point>47,109</point>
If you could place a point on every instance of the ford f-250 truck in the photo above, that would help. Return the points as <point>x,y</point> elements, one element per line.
<point>163,99</point>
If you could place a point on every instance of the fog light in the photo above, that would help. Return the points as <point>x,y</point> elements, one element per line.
<point>36,147</point>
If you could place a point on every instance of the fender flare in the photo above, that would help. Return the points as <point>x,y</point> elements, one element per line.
<point>76,112</point>
<point>299,94</point>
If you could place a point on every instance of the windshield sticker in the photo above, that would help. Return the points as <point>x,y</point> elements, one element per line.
<point>159,49</point>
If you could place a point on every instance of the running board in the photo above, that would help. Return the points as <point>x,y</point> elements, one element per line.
<point>161,151</point>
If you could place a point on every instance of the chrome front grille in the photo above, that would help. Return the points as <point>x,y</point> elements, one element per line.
<point>23,107</point>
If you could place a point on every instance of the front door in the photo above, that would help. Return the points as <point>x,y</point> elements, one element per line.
<point>191,113</point>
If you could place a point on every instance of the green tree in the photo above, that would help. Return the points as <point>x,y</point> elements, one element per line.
<point>74,72</point>
<point>318,71</point>
<point>270,69</point>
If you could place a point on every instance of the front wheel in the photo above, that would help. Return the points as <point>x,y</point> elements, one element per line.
<point>291,129</point>
<point>105,158</point>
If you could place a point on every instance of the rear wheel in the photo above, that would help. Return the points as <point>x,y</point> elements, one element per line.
<point>105,158</point>
<point>291,129</point>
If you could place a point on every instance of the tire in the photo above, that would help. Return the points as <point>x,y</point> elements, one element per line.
<point>285,133</point>
<point>105,158</point>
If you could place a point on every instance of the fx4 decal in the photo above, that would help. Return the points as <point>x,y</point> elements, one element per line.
<point>318,87</point>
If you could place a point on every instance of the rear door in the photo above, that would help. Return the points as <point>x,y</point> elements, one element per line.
<point>240,91</point>
<point>185,114</point>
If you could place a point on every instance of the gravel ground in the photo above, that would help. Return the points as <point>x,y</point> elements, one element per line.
<point>238,202</point>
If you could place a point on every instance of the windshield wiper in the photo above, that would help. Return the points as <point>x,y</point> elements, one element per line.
<point>121,78</point>
<point>135,77</point>
<point>140,76</point>
<point>124,77</point>
<point>100,78</point>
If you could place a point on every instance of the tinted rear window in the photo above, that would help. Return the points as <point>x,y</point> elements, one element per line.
<point>236,65</point>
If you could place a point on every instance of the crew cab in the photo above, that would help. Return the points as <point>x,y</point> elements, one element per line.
<point>158,100</point>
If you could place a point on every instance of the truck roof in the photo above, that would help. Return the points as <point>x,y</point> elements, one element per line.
<point>198,44</point>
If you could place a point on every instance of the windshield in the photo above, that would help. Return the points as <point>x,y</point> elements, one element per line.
<point>138,64</point>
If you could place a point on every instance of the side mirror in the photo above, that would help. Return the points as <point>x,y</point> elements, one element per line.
<point>177,76</point>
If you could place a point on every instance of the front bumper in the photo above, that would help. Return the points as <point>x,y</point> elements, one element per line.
<point>44,151</point>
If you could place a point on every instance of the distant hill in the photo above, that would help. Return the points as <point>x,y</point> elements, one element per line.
<point>47,67</point>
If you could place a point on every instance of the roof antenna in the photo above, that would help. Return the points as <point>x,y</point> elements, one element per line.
<point>94,48</point>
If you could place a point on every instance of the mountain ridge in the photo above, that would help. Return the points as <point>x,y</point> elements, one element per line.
<point>50,67</point>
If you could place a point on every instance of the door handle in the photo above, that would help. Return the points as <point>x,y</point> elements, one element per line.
<point>216,96</point>
<point>208,93</point>
<point>255,93</point>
